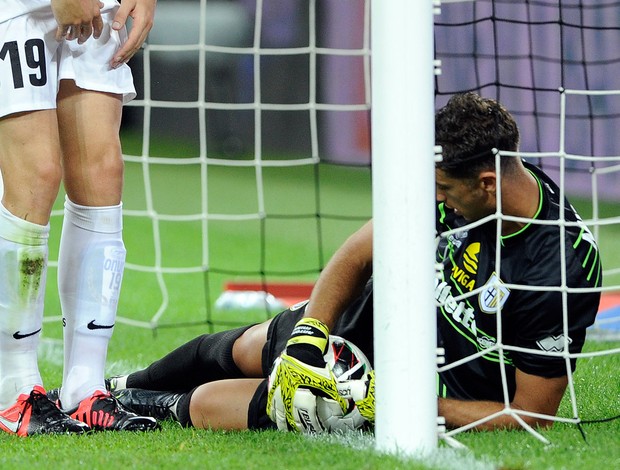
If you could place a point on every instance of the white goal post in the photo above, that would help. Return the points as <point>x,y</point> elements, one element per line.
<point>403,214</point>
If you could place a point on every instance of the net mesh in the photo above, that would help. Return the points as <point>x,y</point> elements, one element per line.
<point>551,64</point>
<point>247,157</point>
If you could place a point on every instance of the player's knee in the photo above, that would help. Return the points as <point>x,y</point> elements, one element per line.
<point>96,184</point>
<point>42,179</point>
<point>32,191</point>
<point>247,350</point>
<point>107,164</point>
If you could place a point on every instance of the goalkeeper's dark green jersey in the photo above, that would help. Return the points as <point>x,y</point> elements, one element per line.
<point>521,297</point>
<point>511,293</point>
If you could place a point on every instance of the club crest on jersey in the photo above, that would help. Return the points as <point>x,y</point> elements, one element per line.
<point>493,296</point>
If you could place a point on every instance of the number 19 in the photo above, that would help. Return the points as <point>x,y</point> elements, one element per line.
<point>35,59</point>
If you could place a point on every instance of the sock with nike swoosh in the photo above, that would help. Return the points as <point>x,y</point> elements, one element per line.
<point>91,261</point>
<point>23,267</point>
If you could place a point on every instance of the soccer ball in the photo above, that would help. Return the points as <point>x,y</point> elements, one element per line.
<point>346,360</point>
<point>351,368</point>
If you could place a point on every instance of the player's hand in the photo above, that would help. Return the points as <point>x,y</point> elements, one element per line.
<point>142,12</point>
<point>366,404</point>
<point>362,392</point>
<point>77,19</point>
<point>300,377</point>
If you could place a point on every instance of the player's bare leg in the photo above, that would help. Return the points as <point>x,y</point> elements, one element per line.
<point>30,163</point>
<point>223,404</point>
<point>92,157</point>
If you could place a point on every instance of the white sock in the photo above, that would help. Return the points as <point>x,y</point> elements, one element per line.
<point>23,270</point>
<point>90,270</point>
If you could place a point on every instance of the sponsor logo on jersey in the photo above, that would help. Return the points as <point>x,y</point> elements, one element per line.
<point>470,257</point>
<point>452,241</point>
<point>458,310</point>
<point>464,279</point>
<point>455,238</point>
<point>553,343</point>
<point>486,342</point>
<point>466,275</point>
<point>493,295</point>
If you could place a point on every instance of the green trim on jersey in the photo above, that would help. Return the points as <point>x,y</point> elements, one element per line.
<point>489,355</point>
<point>540,205</point>
<point>579,238</point>
<point>595,262</point>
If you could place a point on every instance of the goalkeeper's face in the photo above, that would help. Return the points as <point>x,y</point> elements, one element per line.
<point>471,198</point>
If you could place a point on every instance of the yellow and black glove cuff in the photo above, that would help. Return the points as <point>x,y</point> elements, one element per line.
<point>308,341</point>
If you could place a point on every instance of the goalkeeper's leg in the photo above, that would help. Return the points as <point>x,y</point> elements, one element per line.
<point>246,352</point>
<point>204,359</point>
<point>223,404</point>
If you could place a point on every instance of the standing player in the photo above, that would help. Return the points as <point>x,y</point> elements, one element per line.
<point>473,292</point>
<point>63,81</point>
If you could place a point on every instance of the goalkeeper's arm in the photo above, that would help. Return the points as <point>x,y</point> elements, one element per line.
<point>343,278</point>
<point>540,396</point>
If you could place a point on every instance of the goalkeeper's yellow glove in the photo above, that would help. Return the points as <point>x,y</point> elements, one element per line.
<point>299,375</point>
<point>366,406</point>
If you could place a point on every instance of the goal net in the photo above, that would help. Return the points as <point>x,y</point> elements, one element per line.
<point>247,157</point>
<point>553,65</point>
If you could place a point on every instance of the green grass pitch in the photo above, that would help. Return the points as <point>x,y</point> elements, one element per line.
<point>291,246</point>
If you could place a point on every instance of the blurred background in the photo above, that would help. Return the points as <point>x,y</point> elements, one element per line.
<point>286,79</point>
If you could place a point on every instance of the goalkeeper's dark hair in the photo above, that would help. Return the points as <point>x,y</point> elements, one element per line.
<point>468,128</point>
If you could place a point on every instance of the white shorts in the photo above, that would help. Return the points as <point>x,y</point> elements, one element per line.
<point>32,62</point>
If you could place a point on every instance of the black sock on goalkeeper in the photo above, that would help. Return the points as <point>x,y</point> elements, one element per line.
<point>182,410</point>
<point>204,359</point>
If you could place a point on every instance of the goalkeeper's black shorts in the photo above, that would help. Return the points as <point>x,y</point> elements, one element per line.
<point>257,411</point>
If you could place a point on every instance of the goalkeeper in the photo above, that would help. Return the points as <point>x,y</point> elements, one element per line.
<point>220,380</point>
